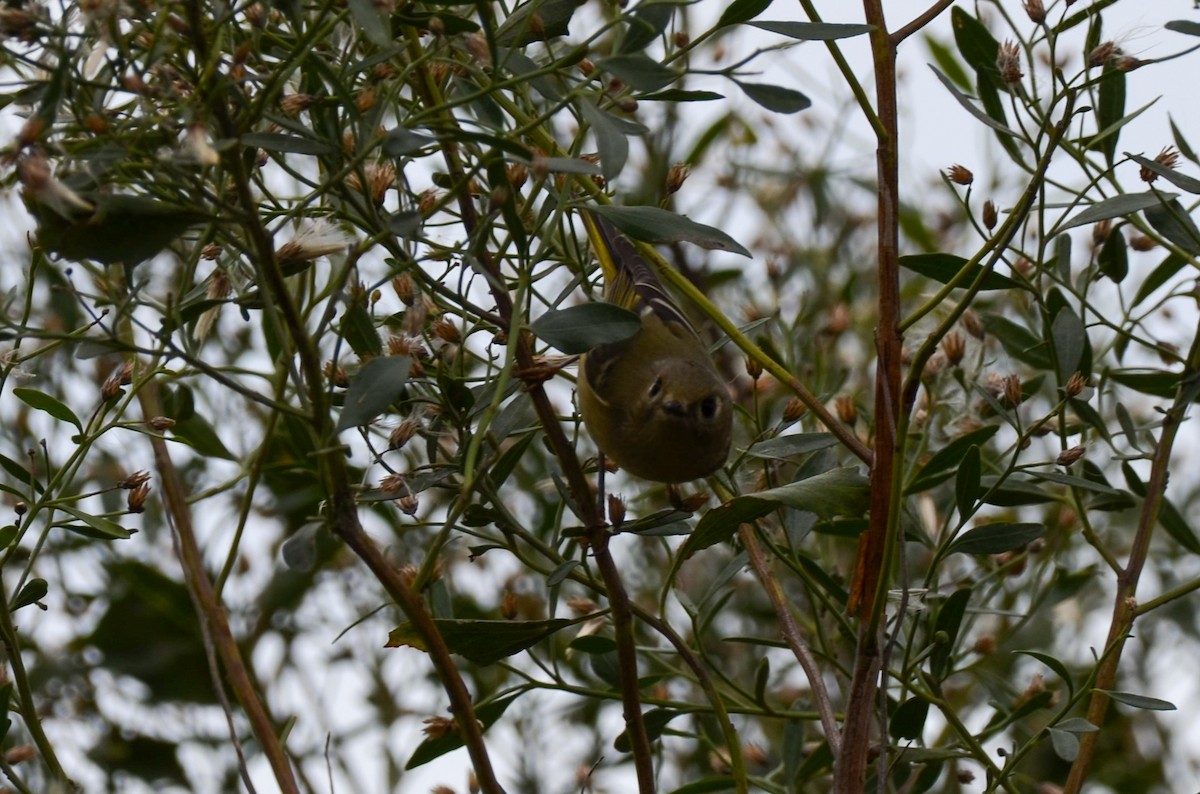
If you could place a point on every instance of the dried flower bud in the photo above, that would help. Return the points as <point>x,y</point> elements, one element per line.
<point>581,606</point>
<point>985,645</point>
<point>690,503</point>
<point>1036,11</point>
<point>1100,231</point>
<point>337,376</point>
<point>381,176</point>
<point>1069,456</point>
<point>20,753</point>
<point>405,288</point>
<point>135,500</point>
<point>676,176</point>
<point>478,47</point>
<point>135,480</point>
<point>1140,242</point>
<point>392,483</point>
<point>753,368</point>
<point>1075,384</point>
<point>1168,158</point>
<point>436,26</point>
<point>586,67</point>
<point>989,215</point>
<point>402,434</point>
<point>408,504</point>
<point>973,324</point>
<point>517,174</point>
<point>960,174</point>
<point>954,346</point>
<point>1008,61</point>
<point>1126,63</point>
<point>160,423</point>
<point>366,99</point>
<point>437,727</point>
<point>754,754</point>
<point>295,104</point>
<point>210,252</point>
<point>1102,54</point>
<point>508,605</point>
<point>20,508</point>
<point>793,409</point>
<point>681,39</point>
<point>838,320</point>
<point>445,329</point>
<point>427,202</point>
<point>964,776</point>
<point>1012,390</point>
<point>616,510</point>
<point>847,411</point>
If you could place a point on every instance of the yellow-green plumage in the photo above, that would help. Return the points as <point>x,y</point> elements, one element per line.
<point>654,403</point>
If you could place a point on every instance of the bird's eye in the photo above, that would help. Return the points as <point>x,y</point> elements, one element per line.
<point>708,407</point>
<point>655,388</point>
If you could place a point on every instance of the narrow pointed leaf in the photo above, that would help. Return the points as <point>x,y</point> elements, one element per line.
<point>996,538</point>
<point>44,402</point>
<point>656,225</point>
<point>376,386</point>
<point>1116,207</point>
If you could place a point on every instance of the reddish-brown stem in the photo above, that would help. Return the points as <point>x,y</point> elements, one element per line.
<point>851,765</point>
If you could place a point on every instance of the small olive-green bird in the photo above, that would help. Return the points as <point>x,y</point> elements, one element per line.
<point>654,403</point>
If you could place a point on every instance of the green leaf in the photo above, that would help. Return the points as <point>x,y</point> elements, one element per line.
<point>948,457</point>
<point>655,720</point>
<point>1172,221</point>
<point>1181,181</point>
<point>1155,382</point>
<point>640,71</point>
<point>977,45</point>
<point>948,63</point>
<point>371,21</point>
<point>611,143</point>
<point>655,225</point>
<point>1054,664</point>
<point>943,268</point>
<point>680,95</point>
<point>95,526</point>
<point>646,23</point>
<point>966,483</point>
<point>1018,341</point>
<point>1085,15</point>
<point>1110,111</point>
<point>288,144</point>
<point>1116,207</point>
<point>908,720</point>
<point>1139,701</point>
<point>970,107</point>
<point>578,329</point>
<point>483,642</point>
<point>740,11</point>
<point>401,142</point>
<point>104,234</point>
<point>996,538</point>
<point>1180,142</point>
<point>1114,257</point>
<point>1070,341</point>
<point>432,748</point>
<point>198,433</point>
<point>376,386</point>
<point>775,98</point>
<point>787,447</point>
<point>814,31</point>
<point>837,492</point>
<point>1184,26</point>
<point>405,223</point>
<point>358,329</point>
<point>537,20</point>
<point>44,402</point>
<point>8,534</point>
<point>1013,493</point>
<point>1066,744</point>
<point>33,591</point>
<point>949,623</point>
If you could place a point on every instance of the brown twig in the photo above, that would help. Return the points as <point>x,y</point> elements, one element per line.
<point>1125,604</point>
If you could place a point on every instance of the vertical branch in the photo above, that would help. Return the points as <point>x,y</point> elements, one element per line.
<point>870,575</point>
<point>1125,603</point>
<point>598,535</point>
